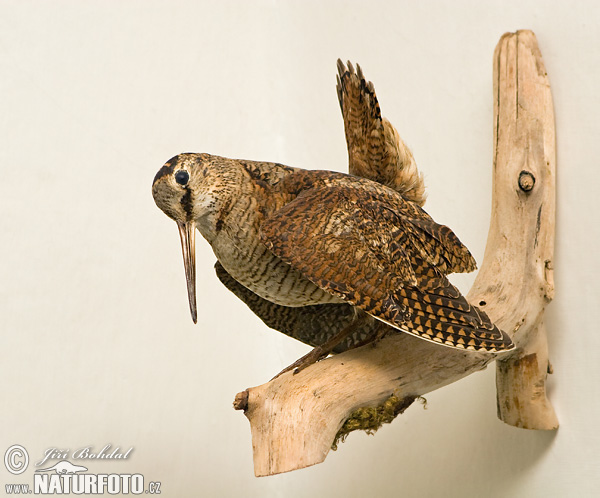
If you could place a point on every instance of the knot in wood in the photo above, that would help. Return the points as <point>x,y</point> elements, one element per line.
<point>526,181</point>
<point>241,401</point>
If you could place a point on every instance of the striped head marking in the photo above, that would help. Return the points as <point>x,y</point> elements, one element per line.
<point>193,190</point>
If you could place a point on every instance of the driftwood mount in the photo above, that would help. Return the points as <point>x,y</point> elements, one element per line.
<point>294,419</point>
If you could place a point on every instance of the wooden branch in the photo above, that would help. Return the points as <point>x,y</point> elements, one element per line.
<point>516,279</point>
<point>295,418</point>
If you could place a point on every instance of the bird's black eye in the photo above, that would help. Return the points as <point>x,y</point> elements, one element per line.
<point>182,177</point>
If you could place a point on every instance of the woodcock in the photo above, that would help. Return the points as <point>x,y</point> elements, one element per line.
<point>331,259</point>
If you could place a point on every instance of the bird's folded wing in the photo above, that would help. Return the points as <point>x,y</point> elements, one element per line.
<point>312,325</point>
<point>323,234</point>
<point>366,251</point>
<point>375,150</point>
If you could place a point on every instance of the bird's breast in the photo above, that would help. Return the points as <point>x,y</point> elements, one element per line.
<point>241,252</point>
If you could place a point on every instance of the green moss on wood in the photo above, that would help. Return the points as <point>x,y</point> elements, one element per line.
<point>371,418</point>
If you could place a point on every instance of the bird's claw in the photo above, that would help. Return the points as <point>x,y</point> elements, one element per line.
<point>305,361</point>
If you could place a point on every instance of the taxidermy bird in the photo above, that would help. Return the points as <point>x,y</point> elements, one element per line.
<point>333,260</point>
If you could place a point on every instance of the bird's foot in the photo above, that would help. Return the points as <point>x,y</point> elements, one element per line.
<point>327,347</point>
<point>307,360</point>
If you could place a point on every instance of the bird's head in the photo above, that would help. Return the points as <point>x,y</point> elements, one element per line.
<point>193,190</point>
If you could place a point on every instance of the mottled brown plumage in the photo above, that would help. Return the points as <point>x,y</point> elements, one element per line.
<point>327,258</point>
<point>301,238</point>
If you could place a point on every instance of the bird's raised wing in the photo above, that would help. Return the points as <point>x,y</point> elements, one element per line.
<point>312,325</point>
<point>375,150</point>
<point>375,254</point>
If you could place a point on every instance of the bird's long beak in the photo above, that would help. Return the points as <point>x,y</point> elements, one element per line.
<point>187,232</point>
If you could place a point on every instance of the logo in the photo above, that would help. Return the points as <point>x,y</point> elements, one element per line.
<point>86,453</point>
<point>64,467</point>
<point>65,477</point>
<point>16,459</point>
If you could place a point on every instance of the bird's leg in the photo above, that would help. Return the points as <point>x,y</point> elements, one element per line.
<point>324,349</point>
<point>380,331</point>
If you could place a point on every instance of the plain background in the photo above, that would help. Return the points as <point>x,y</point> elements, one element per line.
<point>96,342</point>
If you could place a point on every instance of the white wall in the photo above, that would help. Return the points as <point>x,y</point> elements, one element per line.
<point>96,342</point>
